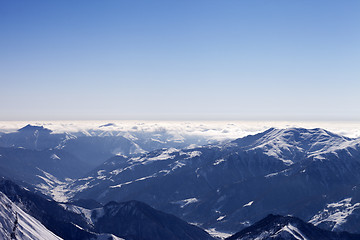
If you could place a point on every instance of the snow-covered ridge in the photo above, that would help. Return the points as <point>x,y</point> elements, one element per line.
<point>183,203</point>
<point>292,230</point>
<point>53,187</point>
<point>290,144</point>
<point>91,216</point>
<point>26,227</point>
<point>278,228</point>
<point>173,159</point>
<point>287,227</point>
<point>335,214</point>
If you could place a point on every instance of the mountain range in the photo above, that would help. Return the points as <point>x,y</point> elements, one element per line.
<point>129,220</point>
<point>283,171</point>
<point>311,174</point>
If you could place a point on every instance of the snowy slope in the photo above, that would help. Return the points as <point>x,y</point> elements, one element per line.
<point>106,236</point>
<point>338,216</point>
<point>136,220</point>
<point>27,227</point>
<point>112,221</point>
<point>294,144</point>
<point>278,227</point>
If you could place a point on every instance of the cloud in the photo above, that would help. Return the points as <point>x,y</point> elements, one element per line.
<point>216,130</point>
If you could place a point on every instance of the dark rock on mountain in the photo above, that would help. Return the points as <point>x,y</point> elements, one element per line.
<point>86,203</point>
<point>134,220</point>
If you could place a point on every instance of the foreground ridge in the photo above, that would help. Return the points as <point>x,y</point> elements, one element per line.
<point>278,227</point>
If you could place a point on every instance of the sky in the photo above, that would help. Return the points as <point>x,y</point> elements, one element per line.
<point>180,60</point>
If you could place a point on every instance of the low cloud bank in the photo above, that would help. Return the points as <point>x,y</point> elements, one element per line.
<point>216,130</point>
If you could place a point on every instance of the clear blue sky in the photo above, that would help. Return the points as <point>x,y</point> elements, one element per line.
<point>183,59</point>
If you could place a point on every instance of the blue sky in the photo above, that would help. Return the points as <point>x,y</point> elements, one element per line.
<point>176,60</point>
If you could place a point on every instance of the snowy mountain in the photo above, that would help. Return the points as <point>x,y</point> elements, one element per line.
<point>33,165</point>
<point>49,160</point>
<point>66,224</point>
<point>112,221</point>
<point>16,224</point>
<point>94,146</point>
<point>309,173</point>
<point>31,137</point>
<point>288,228</point>
<point>295,144</point>
<point>89,147</point>
<point>286,171</point>
<point>339,216</point>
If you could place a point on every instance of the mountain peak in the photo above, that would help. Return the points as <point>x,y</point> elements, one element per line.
<point>287,227</point>
<point>33,128</point>
<point>108,125</point>
<point>126,218</point>
<point>290,143</point>
<point>300,132</point>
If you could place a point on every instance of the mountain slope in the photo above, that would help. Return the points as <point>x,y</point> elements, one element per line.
<point>339,216</point>
<point>16,224</point>
<point>28,165</point>
<point>288,228</point>
<point>46,170</point>
<point>119,219</point>
<point>135,220</point>
<point>66,224</point>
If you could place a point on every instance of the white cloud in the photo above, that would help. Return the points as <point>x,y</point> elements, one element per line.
<point>218,130</point>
